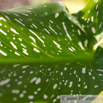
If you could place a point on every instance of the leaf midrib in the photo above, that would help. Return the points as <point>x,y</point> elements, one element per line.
<point>70,59</point>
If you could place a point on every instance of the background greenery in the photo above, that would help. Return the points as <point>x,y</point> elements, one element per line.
<point>73,5</point>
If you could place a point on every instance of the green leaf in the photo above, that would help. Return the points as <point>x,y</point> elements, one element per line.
<point>46,52</point>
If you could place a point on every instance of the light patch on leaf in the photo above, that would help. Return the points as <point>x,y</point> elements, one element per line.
<point>19,83</point>
<point>71,83</point>
<point>97,6</point>
<point>56,15</point>
<point>13,30</point>
<point>79,32</point>
<point>81,46</point>
<point>45,96</point>
<point>0,24</point>
<point>3,32</point>
<point>1,18</point>
<point>25,51</point>
<point>100,25</point>
<point>33,79</point>
<point>21,95</point>
<point>36,50</point>
<point>4,82</point>
<point>92,19</point>
<point>23,45</point>
<point>3,53</point>
<point>47,30</point>
<point>15,91</point>
<point>16,65</point>
<point>7,17</point>
<point>54,87</point>
<point>38,81</point>
<point>17,53</point>
<point>64,26</point>
<point>30,97</point>
<point>14,46</point>
<point>19,22</point>
<point>34,25</point>
<point>95,1</point>
<point>51,21</point>
<point>70,49</point>
<point>25,66</point>
<point>58,46</point>
<point>86,42</point>
<point>36,35</point>
<point>83,70</point>
<point>32,39</point>
<point>20,39</point>
<point>52,29</point>
<point>93,30</point>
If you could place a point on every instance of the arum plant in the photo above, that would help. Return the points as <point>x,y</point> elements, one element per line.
<point>46,52</point>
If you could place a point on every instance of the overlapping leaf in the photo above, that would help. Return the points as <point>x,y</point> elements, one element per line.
<point>46,52</point>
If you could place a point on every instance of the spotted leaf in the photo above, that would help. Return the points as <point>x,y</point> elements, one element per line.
<point>46,52</point>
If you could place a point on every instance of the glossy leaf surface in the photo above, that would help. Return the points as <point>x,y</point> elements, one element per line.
<point>46,52</point>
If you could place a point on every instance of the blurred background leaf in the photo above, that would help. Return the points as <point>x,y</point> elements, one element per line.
<point>72,5</point>
<point>99,98</point>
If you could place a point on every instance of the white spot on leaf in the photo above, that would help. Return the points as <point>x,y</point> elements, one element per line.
<point>13,30</point>
<point>3,53</point>
<point>14,46</point>
<point>1,18</point>
<point>17,53</point>
<point>70,84</point>
<point>3,32</point>
<point>45,96</point>
<point>64,26</point>
<point>83,70</point>
<point>58,46</point>
<point>54,87</point>
<point>30,96</point>
<point>56,15</point>
<point>33,39</point>
<point>38,81</point>
<point>81,46</point>
<point>4,82</point>
<point>36,36</point>
<point>93,30</point>
<point>36,50</point>
<point>33,79</point>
